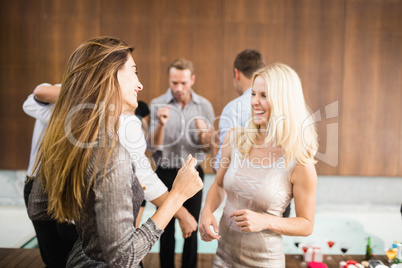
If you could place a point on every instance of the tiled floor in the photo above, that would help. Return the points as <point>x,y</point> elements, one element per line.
<point>344,214</point>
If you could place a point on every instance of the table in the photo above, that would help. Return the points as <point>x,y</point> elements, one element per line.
<point>295,261</point>
<point>18,257</point>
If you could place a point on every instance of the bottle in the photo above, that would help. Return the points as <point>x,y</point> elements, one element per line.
<point>398,258</point>
<point>368,249</point>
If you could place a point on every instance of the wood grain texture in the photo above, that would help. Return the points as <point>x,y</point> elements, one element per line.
<point>371,102</point>
<point>64,25</point>
<point>18,67</point>
<point>314,44</point>
<point>347,53</point>
<point>260,26</point>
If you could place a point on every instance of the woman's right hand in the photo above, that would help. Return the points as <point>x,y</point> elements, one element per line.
<point>208,219</point>
<point>188,181</point>
<point>163,115</point>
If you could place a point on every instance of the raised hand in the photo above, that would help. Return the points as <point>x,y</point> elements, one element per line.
<point>188,181</point>
<point>163,115</point>
<point>204,131</point>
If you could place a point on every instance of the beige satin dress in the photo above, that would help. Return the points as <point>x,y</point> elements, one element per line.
<point>263,189</point>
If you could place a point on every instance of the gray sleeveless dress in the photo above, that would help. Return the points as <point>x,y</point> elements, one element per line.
<point>263,189</point>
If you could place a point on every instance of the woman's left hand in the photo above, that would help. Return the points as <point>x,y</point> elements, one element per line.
<point>249,221</point>
<point>187,224</point>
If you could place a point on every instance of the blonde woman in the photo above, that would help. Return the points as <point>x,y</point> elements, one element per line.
<point>263,167</point>
<point>86,175</point>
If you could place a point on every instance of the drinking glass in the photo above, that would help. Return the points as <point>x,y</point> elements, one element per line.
<point>297,243</point>
<point>304,247</point>
<point>344,248</point>
<point>330,244</point>
<point>391,254</point>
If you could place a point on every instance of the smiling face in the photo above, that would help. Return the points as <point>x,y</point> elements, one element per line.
<point>181,81</point>
<point>129,85</point>
<point>259,103</point>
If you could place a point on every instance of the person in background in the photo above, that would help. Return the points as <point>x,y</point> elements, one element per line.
<point>55,240</point>
<point>263,166</point>
<point>237,112</point>
<point>181,123</point>
<point>142,112</point>
<point>84,173</point>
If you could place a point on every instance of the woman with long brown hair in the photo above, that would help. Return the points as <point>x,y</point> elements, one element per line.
<point>85,175</point>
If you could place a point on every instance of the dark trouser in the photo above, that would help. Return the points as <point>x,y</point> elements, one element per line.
<point>286,213</point>
<point>167,241</point>
<point>55,239</point>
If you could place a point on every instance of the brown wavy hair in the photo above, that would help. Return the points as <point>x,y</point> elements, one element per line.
<point>84,117</point>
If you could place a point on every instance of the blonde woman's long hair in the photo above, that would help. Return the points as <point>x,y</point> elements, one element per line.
<point>290,125</point>
<point>84,117</point>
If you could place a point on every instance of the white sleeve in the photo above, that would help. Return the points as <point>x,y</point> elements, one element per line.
<point>132,138</point>
<point>38,110</point>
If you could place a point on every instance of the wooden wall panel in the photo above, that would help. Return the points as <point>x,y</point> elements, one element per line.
<point>193,30</point>
<point>37,39</point>
<point>138,23</point>
<point>371,89</point>
<point>64,25</point>
<point>258,26</point>
<point>313,47</point>
<point>187,29</point>
<point>18,64</point>
<point>400,133</point>
<point>347,51</point>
